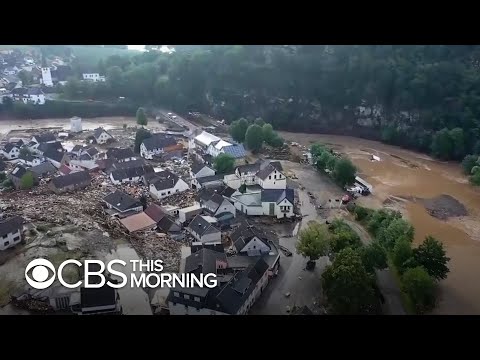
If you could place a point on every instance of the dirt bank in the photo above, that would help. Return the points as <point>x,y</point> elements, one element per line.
<point>444,207</point>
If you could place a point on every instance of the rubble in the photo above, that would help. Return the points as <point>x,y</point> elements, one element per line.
<point>182,199</point>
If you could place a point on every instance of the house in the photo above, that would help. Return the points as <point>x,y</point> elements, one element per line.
<point>55,157</point>
<point>90,154</point>
<point>77,150</point>
<point>93,77</point>
<point>216,204</point>
<point>166,183</point>
<point>203,230</point>
<point>11,151</point>
<point>46,77</point>
<point>42,148</point>
<point>65,170</point>
<point>156,145</point>
<point>209,181</point>
<point>138,222</point>
<point>237,151</point>
<point>278,202</point>
<point>270,176</point>
<point>11,232</point>
<point>101,135</point>
<point>44,138</point>
<point>249,240</point>
<point>73,181</point>
<point>43,170</point>
<point>123,204</point>
<point>199,170</point>
<point>156,212</point>
<point>235,294</point>
<point>188,213</point>
<point>117,165</point>
<point>133,174</point>
<point>16,175</point>
<point>120,154</point>
<point>202,141</point>
<point>61,73</point>
<point>29,159</point>
<point>31,95</point>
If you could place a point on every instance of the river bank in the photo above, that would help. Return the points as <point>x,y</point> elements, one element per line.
<point>414,179</point>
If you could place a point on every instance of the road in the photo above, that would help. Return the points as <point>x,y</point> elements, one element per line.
<point>178,120</point>
<point>385,280</point>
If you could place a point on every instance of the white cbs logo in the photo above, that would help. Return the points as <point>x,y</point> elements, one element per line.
<point>40,274</point>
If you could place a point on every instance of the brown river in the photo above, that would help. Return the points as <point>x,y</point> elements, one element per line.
<point>407,176</point>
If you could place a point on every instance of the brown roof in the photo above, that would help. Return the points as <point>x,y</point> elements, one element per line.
<point>155,212</point>
<point>137,222</point>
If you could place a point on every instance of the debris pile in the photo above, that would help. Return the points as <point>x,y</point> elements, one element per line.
<point>282,153</point>
<point>182,199</point>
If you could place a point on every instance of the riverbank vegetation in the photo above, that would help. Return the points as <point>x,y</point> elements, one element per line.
<point>419,268</point>
<point>341,169</point>
<point>254,133</point>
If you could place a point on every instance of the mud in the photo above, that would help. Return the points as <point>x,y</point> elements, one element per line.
<point>444,207</point>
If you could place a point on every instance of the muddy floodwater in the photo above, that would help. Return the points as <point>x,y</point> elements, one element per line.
<point>410,182</point>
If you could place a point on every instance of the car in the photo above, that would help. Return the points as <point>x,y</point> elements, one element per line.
<point>169,114</point>
<point>174,117</point>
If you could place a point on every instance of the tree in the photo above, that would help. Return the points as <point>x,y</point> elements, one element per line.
<point>25,151</point>
<point>318,149</point>
<point>469,162</point>
<point>27,181</point>
<point>442,144</point>
<point>420,287</point>
<point>343,236</point>
<point>314,241</point>
<point>7,184</point>
<point>458,141</point>
<point>124,127</point>
<point>344,172</point>
<point>396,230</point>
<point>259,121</point>
<point>323,160</point>
<point>373,257</point>
<point>268,133</point>
<point>277,141</point>
<point>238,130</point>
<point>347,285</point>
<point>254,138</point>
<point>26,77</point>
<point>432,256</point>
<point>362,213</point>
<point>224,163</point>
<point>7,102</point>
<point>141,117</point>
<point>402,252</point>
<point>475,178</point>
<point>141,135</point>
<point>2,176</point>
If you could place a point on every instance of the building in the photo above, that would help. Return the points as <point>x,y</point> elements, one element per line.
<point>156,145</point>
<point>46,77</point>
<point>95,301</point>
<point>204,230</point>
<point>101,135</point>
<point>270,202</point>
<point>132,174</point>
<point>138,222</point>
<point>43,170</point>
<point>46,137</point>
<point>77,150</point>
<point>237,151</point>
<point>55,157</point>
<point>11,151</point>
<point>249,240</point>
<point>29,95</point>
<point>199,170</point>
<point>188,213</point>
<point>16,175</point>
<point>90,154</point>
<point>29,159</point>
<point>120,154</point>
<point>270,176</point>
<point>166,183</point>
<point>119,203</point>
<point>75,124</point>
<point>93,77</point>
<point>156,212</point>
<point>202,141</point>
<point>71,182</point>
<point>215,204</point>
<point>10,232</point>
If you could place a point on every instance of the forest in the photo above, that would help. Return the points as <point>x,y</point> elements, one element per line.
<point>423,97</point>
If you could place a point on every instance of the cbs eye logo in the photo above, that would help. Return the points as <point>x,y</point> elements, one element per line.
<point>40,274</point>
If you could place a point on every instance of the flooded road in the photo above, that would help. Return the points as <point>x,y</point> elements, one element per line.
<point>410,175</point>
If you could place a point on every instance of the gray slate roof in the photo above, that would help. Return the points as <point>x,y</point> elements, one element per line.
<point>18,172</point>
<point>121,201</point>
<point>277,195</point>
<point>56,146</point>
<point>71,179</point>
<point>98,131</point>
<point>204,261</point>
<point>45,137</point>
<point>164,180</point>
<point>159,141</point>
<point>54,155</point>
<point>43,169</point>
<point>207,179</point>
<point>10,225</point>
<point>131,172</point>
<point>201,226</point>
<point>120,153</point>
<point>244,233</point>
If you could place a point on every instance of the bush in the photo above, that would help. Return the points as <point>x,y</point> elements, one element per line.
<point>361,213</point>
<point>420,287</point>
<point>42,228</point>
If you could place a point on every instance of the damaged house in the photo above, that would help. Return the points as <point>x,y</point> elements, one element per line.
<point>133,174</point>
<point>102,136</point>
<point>47,137</point>
<point>120,154</point>
<point>45,169</point>
<point>29,160</point>
<point>119,203</point>
<point>155,145</point>
<point>215,204</point>
<point>270,202</point>
<point>10,232</point>
<point>71,182</point>
<point>164,221</point>
<point>16,176</point>
<point>11,150</point>
<point>54,157</point>
<point>165,183</point>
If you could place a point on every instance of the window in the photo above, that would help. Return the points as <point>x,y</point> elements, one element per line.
<point>254,246</point>
<point>5,236</point>
<point>187,296</point>
<point>274,176</point>
<point>270,177</point>
<point>16,238</point>
<point>176,294</point>
<point>197,299</point>
<point>169,193</point>
<point>176,190</point>
<point>6,243</point>
<point>163,193</point>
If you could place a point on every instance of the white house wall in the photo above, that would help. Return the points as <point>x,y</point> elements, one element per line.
<point>256,245</point>
<point>160,194</point>
<point>102,139</point>
<point>248,210</point>
<point>232,181</point>
<point>10,239</point>
<point>226,206</point>
<point>280,182</point>
<point>206,171</point>
<point>126,180</point>
<point>261,285</point>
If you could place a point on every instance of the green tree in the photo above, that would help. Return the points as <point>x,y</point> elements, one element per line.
<point>314,241</point>
<point>259,121</point>
<point>26,77</point>
<point>475,178</point>
<point>398,229</point>
<point>141,117</point>
<point>277,141</point>
<point>433,257</point>
<point>7,184</point>
<point>420,287</point>
<point>27,181</point>
<point>347,285</point>
<point>7,102</point>
<point>344,172</point>
<point>457,137</point>
<point>332,162</point>
<point>323,160</point>
<point>469,162</point>
<point>362,213</point>
<point>254,138</point>
<point>373,257</point>
<point>402,252</point>
<point>140,135</point>
<point>25,151</point>
<point>238,129</point>
<point>442,144</point>
<point>343,236</point>
<point>2,176</point>
<point>224,163</point>
<point>268,133</point>
<point>318,149</point>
